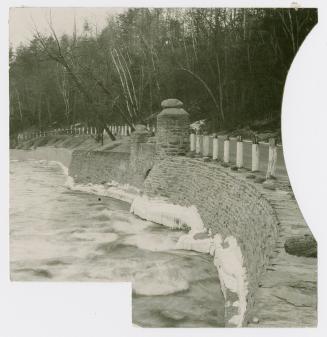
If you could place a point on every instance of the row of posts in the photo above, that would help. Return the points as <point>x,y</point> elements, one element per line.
<point>117,130</point>
<point>200,145</point>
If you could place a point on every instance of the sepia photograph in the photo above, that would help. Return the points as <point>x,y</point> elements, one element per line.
<point>146,147</point>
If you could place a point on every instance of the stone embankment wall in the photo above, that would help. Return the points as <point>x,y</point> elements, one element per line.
<point>98,167</point>
<point>228,206</point>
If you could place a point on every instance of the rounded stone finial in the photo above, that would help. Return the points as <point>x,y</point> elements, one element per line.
<point>171,103</point>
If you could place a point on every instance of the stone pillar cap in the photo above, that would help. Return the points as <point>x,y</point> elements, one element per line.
<point>171,103</point>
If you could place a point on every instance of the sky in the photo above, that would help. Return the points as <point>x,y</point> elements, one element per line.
<point>22,20</point>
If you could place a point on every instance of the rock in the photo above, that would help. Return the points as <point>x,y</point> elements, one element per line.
<point>171,103</point>
<point>269,185</point>
<point>301,246</point>
<point>255,320</point>
<point>259,180</point>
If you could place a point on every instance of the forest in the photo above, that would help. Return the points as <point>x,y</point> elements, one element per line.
<point>228,66</point>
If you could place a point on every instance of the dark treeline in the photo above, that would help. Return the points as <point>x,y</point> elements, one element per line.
<point>227,65</point>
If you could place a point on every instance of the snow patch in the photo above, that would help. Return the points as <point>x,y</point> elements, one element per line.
<point>123,192</point>
<point>170,215</point>
<point>112,190</point>
<point>188,242</point>
<point>228,259</point>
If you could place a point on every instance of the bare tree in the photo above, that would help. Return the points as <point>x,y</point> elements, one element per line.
<point>55,53</point>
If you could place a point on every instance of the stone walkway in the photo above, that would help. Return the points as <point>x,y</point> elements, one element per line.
<point>287,294</point>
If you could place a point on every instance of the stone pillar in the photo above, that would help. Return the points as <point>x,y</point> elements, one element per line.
<point>173,129</point>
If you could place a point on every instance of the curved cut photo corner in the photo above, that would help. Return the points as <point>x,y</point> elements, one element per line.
<point>188,199</point>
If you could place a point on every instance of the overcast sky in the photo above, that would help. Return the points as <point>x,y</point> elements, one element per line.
<point>22,20</point>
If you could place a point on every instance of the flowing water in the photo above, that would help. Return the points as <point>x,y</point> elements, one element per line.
<point>57,234</point>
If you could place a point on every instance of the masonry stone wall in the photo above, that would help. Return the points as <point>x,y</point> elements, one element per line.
<point>228,205</point>
<point>98,167</point>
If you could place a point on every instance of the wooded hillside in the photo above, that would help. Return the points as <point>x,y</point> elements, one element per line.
<point>227,65</point>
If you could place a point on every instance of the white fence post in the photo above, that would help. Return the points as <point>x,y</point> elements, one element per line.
<point>255,155</point>
<point>215,147</point>
<point>226,150</point>
<point>198,144</point>
<point>192,142</point>
<point>206,146</point>
<point>239,152</point>
<point>272,159</point>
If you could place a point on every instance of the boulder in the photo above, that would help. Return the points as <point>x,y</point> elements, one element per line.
<point>301,246</point>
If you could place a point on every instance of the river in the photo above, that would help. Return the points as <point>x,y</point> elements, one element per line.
<point>58,234</point>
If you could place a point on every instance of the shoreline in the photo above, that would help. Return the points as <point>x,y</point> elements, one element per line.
<point>170,200</point>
